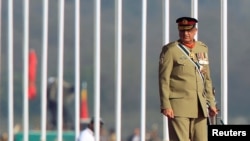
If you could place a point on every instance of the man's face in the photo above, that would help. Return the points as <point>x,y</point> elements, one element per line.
<point>187,36</point>
<point>92,126</point>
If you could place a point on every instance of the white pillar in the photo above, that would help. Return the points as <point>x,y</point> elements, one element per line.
<point>10,71</point>
<point>97,65</point>
<point>25,71</point>
<point>118,66</point>
<point>44,71</point>
<point>166,31</point>
<point>224,67</point>
<point>77,68</point>
<point>60,70</point>
<point>143,69</point>
<point>194,12</point>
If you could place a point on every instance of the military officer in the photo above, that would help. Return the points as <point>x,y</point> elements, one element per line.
<point>185,85</point>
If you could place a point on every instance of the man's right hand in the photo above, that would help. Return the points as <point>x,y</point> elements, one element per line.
<point>213,111</point>
<point>168,112</point>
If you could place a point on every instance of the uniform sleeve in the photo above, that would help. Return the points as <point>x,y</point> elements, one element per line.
<point>209,88</point>
<point>165,69</point>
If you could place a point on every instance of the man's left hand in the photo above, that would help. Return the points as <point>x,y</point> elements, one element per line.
<point>213,111</point>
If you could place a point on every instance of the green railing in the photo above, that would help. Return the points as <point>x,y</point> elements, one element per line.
<point>50,136</point>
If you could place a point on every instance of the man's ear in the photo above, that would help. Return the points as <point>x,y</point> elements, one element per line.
<point>196,29</point>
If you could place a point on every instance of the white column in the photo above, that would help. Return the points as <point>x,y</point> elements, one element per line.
<point>194,12</point>
<point>97,65</point>
<point>143,69</point>
<point>60,70</point>
<point>77,67</point>
<point>44,61</point>
<point>194,9</point>
<point>25,71</point>
<point>166,31</point>
<point>224,67</point>
<point>10,71</point>
<point>118,65</point>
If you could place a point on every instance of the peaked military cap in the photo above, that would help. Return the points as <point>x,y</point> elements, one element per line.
<point>186,23</point>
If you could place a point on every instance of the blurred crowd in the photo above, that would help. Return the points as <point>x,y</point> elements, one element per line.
<point>68,123</point>
<point>151,135</point>
<point>108,134</point>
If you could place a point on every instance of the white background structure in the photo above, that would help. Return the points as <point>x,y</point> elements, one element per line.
<point>97,64</point>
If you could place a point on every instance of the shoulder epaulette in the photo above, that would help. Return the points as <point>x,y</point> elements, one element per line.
<point>171,44</point>
<point>201,43</point>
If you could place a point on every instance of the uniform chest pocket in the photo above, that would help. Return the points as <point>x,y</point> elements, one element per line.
<point>181,65</point>
<point>181,61</point>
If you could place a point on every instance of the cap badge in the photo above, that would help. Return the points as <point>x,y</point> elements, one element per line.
<point>184,21</point>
